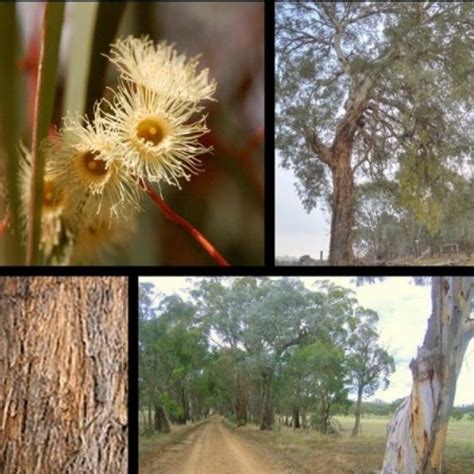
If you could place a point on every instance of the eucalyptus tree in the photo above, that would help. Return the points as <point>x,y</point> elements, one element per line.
<point>372,89</point>
<point>267,318</point>
<point>232,383</point>
<point>261,316</point>
<point>314,378</point>
<point>173,353</point>
<point>418,430</point>
<point>368,364</point>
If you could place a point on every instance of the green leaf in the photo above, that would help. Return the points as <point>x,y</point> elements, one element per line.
<point>44,102</point>
<point>106,26</point>
<point>9,98</point>
<point>83,21</point>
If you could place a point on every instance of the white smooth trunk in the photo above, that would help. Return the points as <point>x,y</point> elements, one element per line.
<point>417,432</point>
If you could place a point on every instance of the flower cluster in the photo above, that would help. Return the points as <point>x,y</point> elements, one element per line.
<point>148,131</point>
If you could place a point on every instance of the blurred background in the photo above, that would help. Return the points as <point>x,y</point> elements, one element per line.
<point>225,202</point>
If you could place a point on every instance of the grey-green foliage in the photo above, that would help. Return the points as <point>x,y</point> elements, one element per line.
<point>173,352</point>
<point>260,315</point>
<point>418,119</point>
<point>368,364</point>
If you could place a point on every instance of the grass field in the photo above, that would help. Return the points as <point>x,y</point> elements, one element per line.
<point>311,452</point>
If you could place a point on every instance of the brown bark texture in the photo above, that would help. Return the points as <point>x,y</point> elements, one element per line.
<point>63,374</point>
<point>343,204</point>
<point>417,432</point>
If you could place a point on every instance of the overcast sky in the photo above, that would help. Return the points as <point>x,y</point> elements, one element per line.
<point>403,309</point>
<point>297,233</point>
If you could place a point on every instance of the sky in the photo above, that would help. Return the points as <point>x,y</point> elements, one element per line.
<point>297,233</point>
<point>403,309</point>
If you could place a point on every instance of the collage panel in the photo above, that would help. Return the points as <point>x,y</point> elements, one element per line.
<point>373,132</point>
<point>131,133</point>
<point>63,374</point>
<point>298,374</point>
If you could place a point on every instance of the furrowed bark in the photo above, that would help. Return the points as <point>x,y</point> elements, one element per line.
<point>63,374</point>
<point>343,204</point>
<point>417,432</point>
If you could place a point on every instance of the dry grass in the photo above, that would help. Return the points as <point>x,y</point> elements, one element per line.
<point>150,447</point>
<point>311,452</point>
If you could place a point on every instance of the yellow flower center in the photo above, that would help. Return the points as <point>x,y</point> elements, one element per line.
<point>94,165</point>
<point>151,130</point>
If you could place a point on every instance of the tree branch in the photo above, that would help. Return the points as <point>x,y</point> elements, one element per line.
<point>322,150</point>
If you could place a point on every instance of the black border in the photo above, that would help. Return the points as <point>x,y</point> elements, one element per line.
<point>269,268</point>
<point>133,432</point>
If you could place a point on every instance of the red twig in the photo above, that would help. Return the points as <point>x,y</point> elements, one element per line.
<point>171,215</point>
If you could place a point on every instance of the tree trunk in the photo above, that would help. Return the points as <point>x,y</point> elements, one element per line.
<point>240,410</point>
<point>296,417</point>
<point>304,418</point>
<point>266,418</point>
<point>183,416</point>
<point>342,219</point>
<point>324,416</point>
<point>417,432</point>
<point>162,425</point>
<point>149,427</point>
<point>63,374</point>
<point>355,430</point>
<point>240,403</point>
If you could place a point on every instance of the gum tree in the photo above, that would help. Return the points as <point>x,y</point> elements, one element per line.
<point>268,318</point>
<point>372,89</point>
<point>369,365</point>
<point>417,432</point>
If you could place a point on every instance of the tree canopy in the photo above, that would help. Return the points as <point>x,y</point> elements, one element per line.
<point>251,348</point>
<point>383,87</point>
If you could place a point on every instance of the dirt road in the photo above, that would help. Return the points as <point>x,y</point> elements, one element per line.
<point>216,449</point>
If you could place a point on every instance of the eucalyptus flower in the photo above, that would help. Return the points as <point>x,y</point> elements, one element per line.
<point>155,134</point>
<point>160,68</point>
<point>85,166</point>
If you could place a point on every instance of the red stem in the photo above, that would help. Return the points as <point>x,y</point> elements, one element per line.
<point>171,215</point>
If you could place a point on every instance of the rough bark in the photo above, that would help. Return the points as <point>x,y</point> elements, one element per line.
<point>343,203</point>
<point>417,432</point>
<point>355,430</point>
<point>161,423</point>
<point>63,374</point>
<point>266,418</point>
